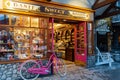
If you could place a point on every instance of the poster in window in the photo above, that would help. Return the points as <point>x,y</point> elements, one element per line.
<point>34,22</point>
<point>44,22</point>
<point>15,20</point>
<point>25,21</point>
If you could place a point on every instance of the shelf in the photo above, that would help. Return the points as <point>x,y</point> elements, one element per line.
<point>20,60</point>
<point>5,44</point>
<point>6,51</point>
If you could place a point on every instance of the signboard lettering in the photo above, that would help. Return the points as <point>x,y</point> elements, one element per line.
<point>12,5</point>
<point>54,10</point>
<point>21,6</point>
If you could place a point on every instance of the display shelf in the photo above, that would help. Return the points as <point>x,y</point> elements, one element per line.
<point>12,51</point>
<point>5,43</point>
<point>20,60</point>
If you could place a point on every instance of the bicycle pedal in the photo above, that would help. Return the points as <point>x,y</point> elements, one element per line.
<point>47,71</point>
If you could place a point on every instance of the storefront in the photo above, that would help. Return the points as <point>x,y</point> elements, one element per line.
<point>26,27</point>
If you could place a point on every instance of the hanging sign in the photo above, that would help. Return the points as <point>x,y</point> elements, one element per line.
<point>103,29</point>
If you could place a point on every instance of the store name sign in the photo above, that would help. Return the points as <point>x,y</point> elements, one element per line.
<point>20,6</point>
<point>54,10</point>
<point>12,5</point>
<point>78,14</point>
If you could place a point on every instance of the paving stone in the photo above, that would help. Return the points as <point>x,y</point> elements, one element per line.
<point>80,73</point>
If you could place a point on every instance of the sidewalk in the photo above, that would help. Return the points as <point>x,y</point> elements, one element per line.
<point>79,73</point>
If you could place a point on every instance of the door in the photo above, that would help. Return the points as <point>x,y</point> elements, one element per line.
<point>80,44</point>
<point>102,42</point>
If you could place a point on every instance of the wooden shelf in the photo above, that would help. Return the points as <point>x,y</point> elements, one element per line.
<point>20,60</point>
<point>5,43</point>
<point>6,51</point>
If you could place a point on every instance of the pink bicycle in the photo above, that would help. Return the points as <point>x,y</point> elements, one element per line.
<point>31,69</point>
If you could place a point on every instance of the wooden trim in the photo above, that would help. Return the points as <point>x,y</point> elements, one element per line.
<point>101,4</point>
<point>96,2</point>
<point>61,5</point>
<point>108,15</point>
<point>80,63</point>
<point>19,61</point>
<point>112,5</point>
<point>43,15</point>
<point>52,5</point>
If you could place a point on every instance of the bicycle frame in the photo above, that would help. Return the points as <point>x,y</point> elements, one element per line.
<point>43,69</point>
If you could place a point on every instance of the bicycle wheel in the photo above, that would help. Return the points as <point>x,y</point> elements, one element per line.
<point>60,67</point>
<point>24,70</point>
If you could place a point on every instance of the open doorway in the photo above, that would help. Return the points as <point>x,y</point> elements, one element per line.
<point>102,42</point>
<point>64,38</point>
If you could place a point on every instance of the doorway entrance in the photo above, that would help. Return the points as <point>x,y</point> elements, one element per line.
<point>102,42</point>
<point>64,38</point>
<point>73,34</point>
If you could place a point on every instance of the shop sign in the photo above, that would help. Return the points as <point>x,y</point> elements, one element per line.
<point>1,5</point>
<point>78,14</point>
<point>12,5</point>
<point>103,28</point>
<point>20,6</point>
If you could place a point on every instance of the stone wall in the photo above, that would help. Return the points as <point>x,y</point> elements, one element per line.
<point>9,71</point>
<point>91,60</point>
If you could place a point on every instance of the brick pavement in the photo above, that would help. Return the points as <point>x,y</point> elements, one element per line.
<point>79,73</point>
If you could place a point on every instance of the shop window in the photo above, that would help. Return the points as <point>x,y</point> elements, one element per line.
<point>6,43</point>
<point>20,21</point>
<point>15,20</point>
<point>4,19</point>
<point>26,38</point>
<point>34,22</point>
<point>25,21</point>
<point>43,22</point>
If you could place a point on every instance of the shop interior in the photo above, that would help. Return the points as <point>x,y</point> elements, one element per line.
<point>64,38</point>
<point>23,37</point>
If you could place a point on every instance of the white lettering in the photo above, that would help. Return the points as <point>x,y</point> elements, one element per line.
<point>24,6</point>
<point>78,14</point>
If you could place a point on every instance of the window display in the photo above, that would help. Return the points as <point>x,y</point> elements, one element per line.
<point>6,44</point>
<point>4,19</point>
<point>25,39</point>
<point>34,22</point>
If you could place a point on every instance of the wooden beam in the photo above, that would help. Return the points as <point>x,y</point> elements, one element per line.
<point>95,4</point>
<point>101,4</point>
<point>108,15</point>
<point>112,5</point>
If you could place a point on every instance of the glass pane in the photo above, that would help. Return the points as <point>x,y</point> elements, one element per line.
<point>78,34</point>
<point>34,22</point>
<point>81,28</point>
<point>80,51</point>
<point>4,19</point>
<point>78,43</point>
<point>20,21</point>
<point>25,21</point>
<point>6,43</point>
<point>44,22</point>
<point>16,20</point>
<point>78,28</point>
